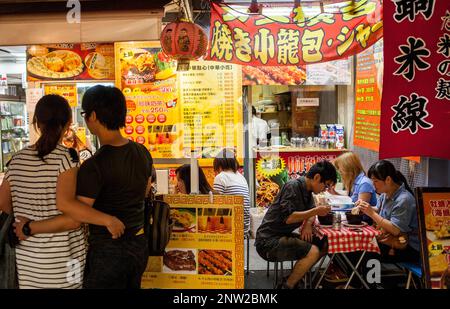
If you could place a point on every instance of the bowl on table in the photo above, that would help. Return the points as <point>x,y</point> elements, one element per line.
<point>353,219</point>
<point>327,219</point>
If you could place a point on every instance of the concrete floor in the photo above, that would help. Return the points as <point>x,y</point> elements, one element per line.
<point>257,278</point>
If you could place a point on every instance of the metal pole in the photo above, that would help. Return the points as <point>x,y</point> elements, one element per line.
<point>194,173</point>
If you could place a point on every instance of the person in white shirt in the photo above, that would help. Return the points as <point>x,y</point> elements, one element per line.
<point>229,181</point>
<point>260,129</point>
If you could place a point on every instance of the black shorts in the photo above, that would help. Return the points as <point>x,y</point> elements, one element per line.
<point>287,248</point>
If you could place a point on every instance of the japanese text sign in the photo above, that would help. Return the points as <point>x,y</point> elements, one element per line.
<point>298,39</point>
<point>416,98</point>
<point>67,91</point>
<point>369,74</point>
<point>434,223</point>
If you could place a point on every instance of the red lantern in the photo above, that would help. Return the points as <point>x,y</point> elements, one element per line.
<point>184,41</point>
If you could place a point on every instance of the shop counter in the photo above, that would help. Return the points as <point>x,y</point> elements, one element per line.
<point>295,149</point>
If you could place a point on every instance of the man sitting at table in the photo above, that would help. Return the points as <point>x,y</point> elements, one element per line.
<point>292,208</point>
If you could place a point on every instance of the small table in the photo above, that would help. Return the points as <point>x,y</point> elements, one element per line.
<point>345,240</point>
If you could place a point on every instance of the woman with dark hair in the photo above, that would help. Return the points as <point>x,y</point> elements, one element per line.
<point>395,212</point>
<point>184,180</point>
<point>229,181</point>
<point>52,245</point>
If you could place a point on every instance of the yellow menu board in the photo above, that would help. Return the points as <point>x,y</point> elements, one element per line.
<point>206,248</point>
<point>68,91</point>
<point>211,107</point>
<point>147,79</point>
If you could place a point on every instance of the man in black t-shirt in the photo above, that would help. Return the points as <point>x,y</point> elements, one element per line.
<point>114,181</point>
<point>294,208</point>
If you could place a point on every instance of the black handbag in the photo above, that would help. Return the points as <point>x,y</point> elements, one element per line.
<point>158,224</point>
<point>8,241</point>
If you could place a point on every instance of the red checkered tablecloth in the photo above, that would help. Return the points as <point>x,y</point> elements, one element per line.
<point>349,240</point>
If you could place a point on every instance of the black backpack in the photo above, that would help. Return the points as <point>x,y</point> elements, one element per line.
<point>158,225</point>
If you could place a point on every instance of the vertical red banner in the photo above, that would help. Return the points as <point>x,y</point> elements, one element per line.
<point>415,111</point>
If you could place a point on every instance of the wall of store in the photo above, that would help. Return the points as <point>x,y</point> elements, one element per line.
<point>439,173</point>
<point>12,68</point>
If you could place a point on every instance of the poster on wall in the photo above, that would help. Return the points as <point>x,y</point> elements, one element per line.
<point>206,248</point>
<point>293,38</point>
<point>434,224</point>
<point>67,91</point>
<point>274,169</point>
<point>287,75</point>
<point>148,80</point>
<point>416,99</point>
<point>66,62</point>
<point>338,72</point>
<point>369,81</point>
<point>211,102</point>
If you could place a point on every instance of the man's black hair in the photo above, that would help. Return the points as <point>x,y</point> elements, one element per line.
<point>325,169</point>
<point>253,111</point>
<point>109,105</point>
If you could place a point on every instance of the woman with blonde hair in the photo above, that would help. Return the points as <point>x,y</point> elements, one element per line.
<point>358,185</point>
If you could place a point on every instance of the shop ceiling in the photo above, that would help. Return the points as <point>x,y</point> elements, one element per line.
<point>42,22</point>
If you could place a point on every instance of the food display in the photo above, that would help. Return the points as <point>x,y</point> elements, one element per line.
<point>285,75</point>
<point>266,192</point>
<point>433,223</point>
<point>211,256</point>
<point>141,66</point>
<point>438,265</point>
<point>180,260</point>
<point>70,62</point>
<point>58,64</point>
<point>99,66</point>
<point>148,81</point>
<point>443,232</point>
<point>184,219</point>
<point>434,226</point>
<point>215,262</point>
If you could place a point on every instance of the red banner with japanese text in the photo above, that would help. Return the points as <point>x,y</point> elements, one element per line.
<point>296,38</point>
<point>415,110</point>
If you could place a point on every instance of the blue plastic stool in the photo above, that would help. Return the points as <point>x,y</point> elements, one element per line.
<point>412,269</point>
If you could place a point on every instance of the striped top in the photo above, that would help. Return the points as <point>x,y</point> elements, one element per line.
<point>46,260</point>
<point>230,183</point>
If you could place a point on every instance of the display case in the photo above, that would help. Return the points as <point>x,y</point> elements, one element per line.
<point>13,128</point>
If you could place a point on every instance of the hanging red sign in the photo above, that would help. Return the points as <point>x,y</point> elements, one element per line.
<point>416,97</point>
<point>298,39</point>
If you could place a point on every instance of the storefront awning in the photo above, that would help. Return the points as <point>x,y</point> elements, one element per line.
<point>93,27</point>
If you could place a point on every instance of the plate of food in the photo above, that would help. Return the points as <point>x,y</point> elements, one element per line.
<point>180,261</point>
<point>143,66</point>
<point>99,66</point>
<point>362,224</point>
<point>184,219</point>
<point>58,64</point>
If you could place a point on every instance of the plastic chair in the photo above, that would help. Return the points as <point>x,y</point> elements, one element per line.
<point>411,269</point>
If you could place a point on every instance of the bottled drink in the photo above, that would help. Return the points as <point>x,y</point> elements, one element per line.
<point>337,221</point>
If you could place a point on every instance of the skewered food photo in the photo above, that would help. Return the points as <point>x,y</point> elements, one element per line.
<point>215,262</point>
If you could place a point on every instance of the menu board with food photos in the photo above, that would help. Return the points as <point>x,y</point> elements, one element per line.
<point>434,223</point>
<point>60,62</point>
<point>206,248</point>
<point>147,78</point>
